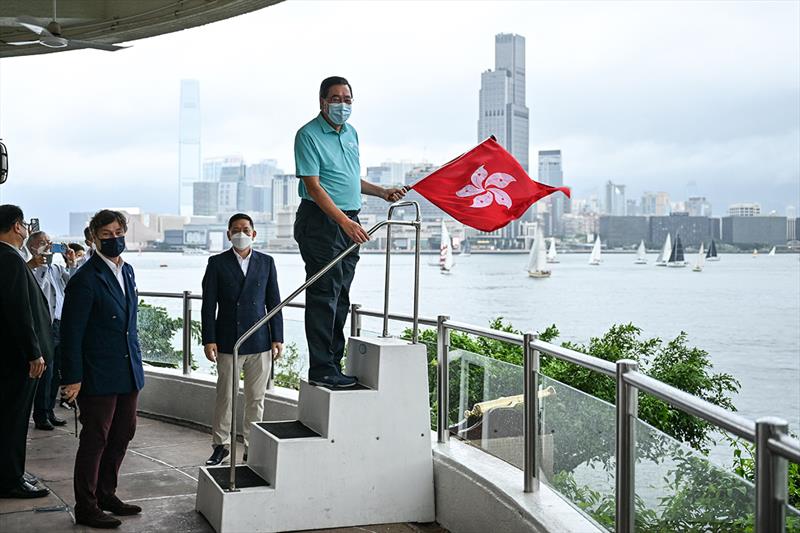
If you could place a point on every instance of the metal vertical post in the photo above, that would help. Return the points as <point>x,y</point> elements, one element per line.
<point>234,397</point>
<point>417,245</point>
<point>443,378</point>
<point>355,320</point>
<point>187,333</point>
<point>771,477</point>
<point>531,422</point>
<point>386,281</point>
<point>627,410</point>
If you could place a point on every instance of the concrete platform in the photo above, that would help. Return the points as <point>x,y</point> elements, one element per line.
<point>159,473</point>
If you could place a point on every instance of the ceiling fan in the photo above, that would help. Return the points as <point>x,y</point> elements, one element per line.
<point>50,35</point>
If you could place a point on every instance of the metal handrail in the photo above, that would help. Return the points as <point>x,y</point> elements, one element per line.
<point>277,309</point>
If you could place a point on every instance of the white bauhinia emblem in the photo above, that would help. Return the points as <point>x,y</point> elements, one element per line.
<point>487,189</point>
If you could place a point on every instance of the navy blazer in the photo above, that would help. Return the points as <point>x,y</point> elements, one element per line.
<point>232,303</point>
<point>99,339</point>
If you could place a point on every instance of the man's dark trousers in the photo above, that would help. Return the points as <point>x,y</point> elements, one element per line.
<point>47,389</point>
<point>16,399</point>
<point>328,299</point>
<point>109,423</point>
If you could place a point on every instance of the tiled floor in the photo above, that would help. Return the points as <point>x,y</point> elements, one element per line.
<point>159,473</point>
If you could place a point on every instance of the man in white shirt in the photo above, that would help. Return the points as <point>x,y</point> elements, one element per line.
<point>52,279</point>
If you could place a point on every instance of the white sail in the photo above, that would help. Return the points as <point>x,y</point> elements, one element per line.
<point>663,256</point>
<point>532,254</point>
<point>551,252</point>
<point>537,258</point>
<point>641,254</point>
<point>445,251</point>
<point>701,259</point>
<point>772,252</point>
<point>594,258</point>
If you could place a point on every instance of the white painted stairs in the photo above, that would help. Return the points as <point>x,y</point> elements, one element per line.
<point>354,457</point>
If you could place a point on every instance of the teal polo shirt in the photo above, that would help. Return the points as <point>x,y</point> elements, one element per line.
<point>319,150</point>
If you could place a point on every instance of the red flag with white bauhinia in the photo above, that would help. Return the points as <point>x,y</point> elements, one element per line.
<point>485,188</point>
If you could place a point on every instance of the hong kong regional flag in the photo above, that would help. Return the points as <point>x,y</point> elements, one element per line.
<point>485,188</point>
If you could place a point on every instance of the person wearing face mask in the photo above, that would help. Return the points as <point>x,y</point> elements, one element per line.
<point>327,162</point>
<point>26,340</point>
<point>80,259</point>
<point>240,286</point>
<point>101,366</point>
<point>52,278</point>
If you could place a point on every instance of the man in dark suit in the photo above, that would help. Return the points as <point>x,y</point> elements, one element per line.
<point>239,287</point>
<point>26,348</point>
<point>101,366</point>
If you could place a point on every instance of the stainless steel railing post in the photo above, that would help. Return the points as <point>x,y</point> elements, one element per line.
<point>234,397</point>
<point>443,379</point>
<point>531,404</point>
<point>771,477</point>
<point>355,320</point>
<point>187,333</point>
<point>627,409</point>
<point>386,279</point>
<point>417,246</point>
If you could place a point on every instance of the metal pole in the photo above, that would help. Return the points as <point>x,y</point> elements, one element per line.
<point>187,333</point>
<point>771,477</point>
<point>271,377</point>
<point>627,409</point>
<point>355,320</point>
<point>234,397</point>
<point>442,389</point>
<point>386,280</point>
<point>417,245</point>
<point>531,423</point>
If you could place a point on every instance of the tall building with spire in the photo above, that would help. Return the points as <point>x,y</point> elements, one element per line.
<point>188,145</point>
<point>502,111</point>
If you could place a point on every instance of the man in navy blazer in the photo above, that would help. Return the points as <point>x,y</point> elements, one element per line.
<point>102,367</point>
<point>240,286</point>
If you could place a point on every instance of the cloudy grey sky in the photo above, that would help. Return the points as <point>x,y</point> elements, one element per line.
<point>686,97</point>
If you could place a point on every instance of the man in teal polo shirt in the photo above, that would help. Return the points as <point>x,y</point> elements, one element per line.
<point>328,165</point>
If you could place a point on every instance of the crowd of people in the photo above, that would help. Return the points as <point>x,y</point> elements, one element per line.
<point>73,328</point>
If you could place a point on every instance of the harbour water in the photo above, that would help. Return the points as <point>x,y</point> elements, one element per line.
<point>745,312</point>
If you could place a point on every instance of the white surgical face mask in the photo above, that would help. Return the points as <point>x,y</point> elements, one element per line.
<point>241,241</point>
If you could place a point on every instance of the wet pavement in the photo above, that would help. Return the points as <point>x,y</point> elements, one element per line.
<point>159,474</point>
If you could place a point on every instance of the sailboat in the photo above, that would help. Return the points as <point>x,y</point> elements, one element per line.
<point>676,255</point>
<point>641,254</point>
<point>594,258</point>
<point>466,248</point>
<point>663,255</point>
<point>755,253</point>
<point>711,254</point>
<point>771,252</point>
<point>537,258</point>
<point>701,259</point>
<point>551,252</point>
<point>445,252</point>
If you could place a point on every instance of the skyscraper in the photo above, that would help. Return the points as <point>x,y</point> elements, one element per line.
<point>615,199</point>
<point>502,109</point>
<point>551,173</point>
<point>188,144</point>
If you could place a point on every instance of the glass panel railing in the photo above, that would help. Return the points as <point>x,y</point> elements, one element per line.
<point>792,519</point>
<point>160,322</point>
<point>576,450</point>
<point>486,408</point>
<point>678,489</point>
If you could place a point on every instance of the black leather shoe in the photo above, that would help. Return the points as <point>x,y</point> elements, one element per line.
<point>244,457</point>
<point>45,425</point>
<point>30,478</point>
<point>101,521</point>
<point>334,382</point>
<point>57,421</point>
<point>220,453</point>
<point>24,490</point>
<point>118,507</point>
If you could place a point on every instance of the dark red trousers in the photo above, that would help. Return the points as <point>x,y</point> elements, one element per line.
<point>109,423</point>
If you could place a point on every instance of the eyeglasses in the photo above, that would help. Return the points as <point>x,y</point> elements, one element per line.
<point>338,100</point>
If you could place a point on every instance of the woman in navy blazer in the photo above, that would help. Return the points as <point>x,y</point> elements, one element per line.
<point>102,367</point>
<point>240,286</point>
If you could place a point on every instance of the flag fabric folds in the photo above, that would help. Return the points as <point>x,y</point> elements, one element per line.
<point>485,188</point>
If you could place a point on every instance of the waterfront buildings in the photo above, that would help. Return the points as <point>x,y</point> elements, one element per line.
<point>754,230</point>
<point>615,199</point>
<point>744,210</point>
<point>551,172</point>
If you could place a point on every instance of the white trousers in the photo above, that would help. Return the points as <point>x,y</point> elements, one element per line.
<point>256,368</point>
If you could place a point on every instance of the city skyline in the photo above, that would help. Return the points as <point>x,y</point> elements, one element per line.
<point>653,96</point>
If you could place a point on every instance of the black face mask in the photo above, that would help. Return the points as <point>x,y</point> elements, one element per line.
<point>112,247</point>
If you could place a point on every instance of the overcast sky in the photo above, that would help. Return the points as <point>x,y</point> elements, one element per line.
<point>686,97</point>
